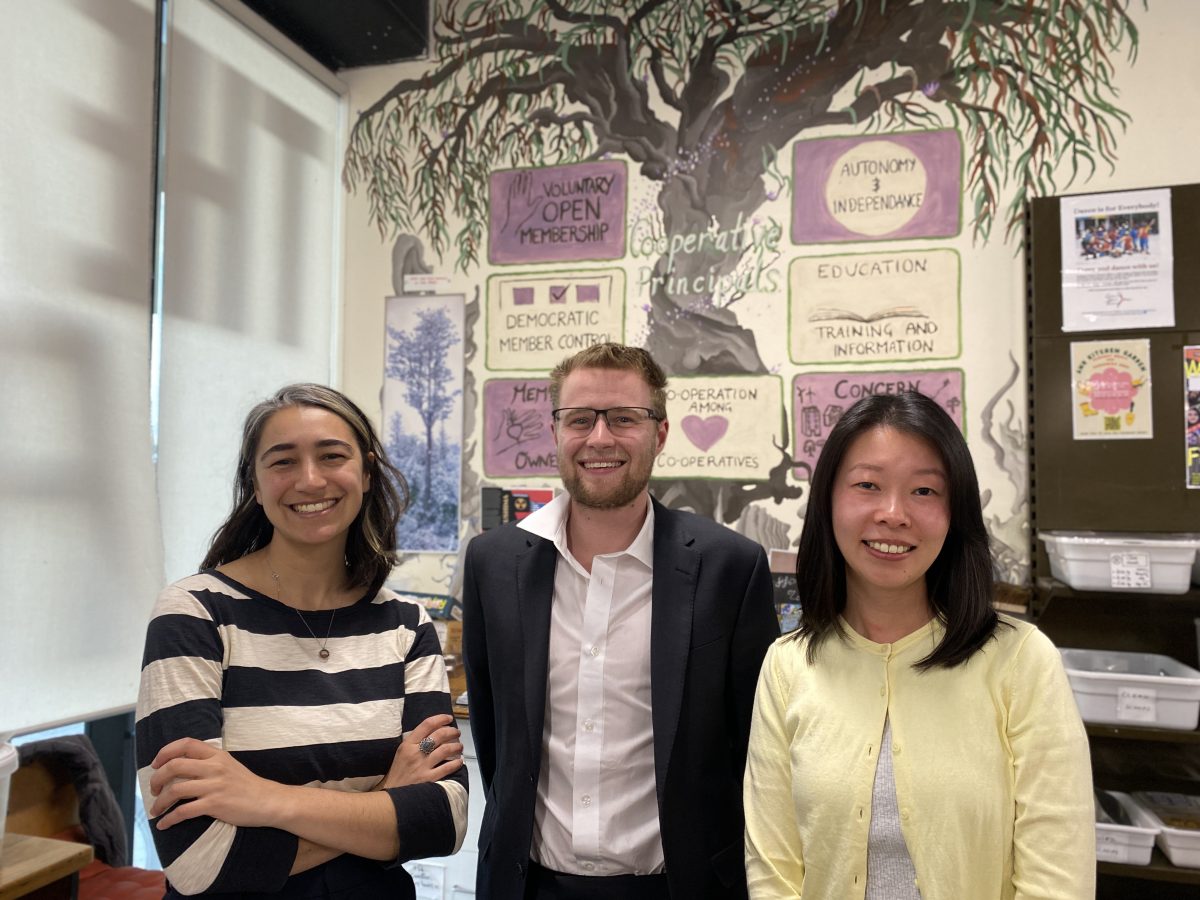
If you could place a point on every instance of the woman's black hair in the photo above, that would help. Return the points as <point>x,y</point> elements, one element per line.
<point>960,582</point>
<point>371,541</point>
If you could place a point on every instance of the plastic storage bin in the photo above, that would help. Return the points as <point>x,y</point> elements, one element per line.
<point>8,765</point>
<point>1177,817</point>
<point>1119,688</point>
<point>1130,844</point>
<point>1117,561</point>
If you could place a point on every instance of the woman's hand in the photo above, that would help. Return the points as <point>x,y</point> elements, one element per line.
<point>411,765</point>
<point>214,783</point>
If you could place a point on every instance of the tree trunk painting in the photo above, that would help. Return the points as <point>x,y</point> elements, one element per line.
<point>704,99</point>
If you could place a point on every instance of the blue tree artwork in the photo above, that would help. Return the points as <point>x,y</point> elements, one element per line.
<point>422,410</point>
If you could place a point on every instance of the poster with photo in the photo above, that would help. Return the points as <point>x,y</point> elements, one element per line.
<point>1111,396</point>
<point>1191,414</point>
<point>1118,270</point>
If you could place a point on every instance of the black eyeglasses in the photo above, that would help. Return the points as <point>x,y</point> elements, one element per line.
<point>582,419</point>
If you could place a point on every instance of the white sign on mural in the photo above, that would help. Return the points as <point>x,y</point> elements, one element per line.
<point>723,427</point>
<point>534,321</point>
<point>870,307</point>
<point>1118,264</point>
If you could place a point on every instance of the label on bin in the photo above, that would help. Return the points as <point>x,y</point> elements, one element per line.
<point>1108,850</point>
<point>1137,704</point>
<point>1129,570</point>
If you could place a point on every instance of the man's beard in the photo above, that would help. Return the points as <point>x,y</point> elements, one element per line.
<point>628,489</point>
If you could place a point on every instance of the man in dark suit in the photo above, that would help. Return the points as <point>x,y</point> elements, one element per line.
<point>612,648</point>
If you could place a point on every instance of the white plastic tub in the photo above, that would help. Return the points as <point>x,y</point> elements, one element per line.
<point>1119,688</point>
<point>8,765</point>
<point>1129,844</point>
<point>1118,561</point>
<point>1156,809</point>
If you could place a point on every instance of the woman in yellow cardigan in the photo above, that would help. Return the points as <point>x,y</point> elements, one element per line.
<point>907,741</point>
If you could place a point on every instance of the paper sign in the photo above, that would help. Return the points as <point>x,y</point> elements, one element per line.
<point>1137,704</point>
<point>724,427</point>
<point>1130,569</point>
<point>1191,416</point>
<point>1112,390</point>
<point>1117,261</point>
<point>535,321</point>
<point>558,213</point>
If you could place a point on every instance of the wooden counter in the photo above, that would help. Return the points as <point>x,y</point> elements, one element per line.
<point>30,863</point>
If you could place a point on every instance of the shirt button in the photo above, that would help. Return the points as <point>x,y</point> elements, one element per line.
<point>883,691</point>
<point>588,725</point>
<point>586,799</point>
<point>594,651</point>
<point>904,814</point>
<point>589,866</point>
<point>895,749</point>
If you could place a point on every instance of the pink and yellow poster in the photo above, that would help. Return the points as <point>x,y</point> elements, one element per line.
<point>1111,395</point>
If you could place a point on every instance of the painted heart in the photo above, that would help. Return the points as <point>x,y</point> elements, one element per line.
<point>705,432</point>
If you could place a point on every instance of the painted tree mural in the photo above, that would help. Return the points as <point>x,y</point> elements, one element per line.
<point>702,96</point>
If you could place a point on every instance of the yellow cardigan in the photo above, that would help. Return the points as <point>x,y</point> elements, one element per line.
<point>993,776</point>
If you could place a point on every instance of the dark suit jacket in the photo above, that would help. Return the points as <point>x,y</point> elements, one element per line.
<point>712,618</point>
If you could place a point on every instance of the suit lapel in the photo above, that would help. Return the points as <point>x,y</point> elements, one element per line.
<point>673,597</point>
<point>535,593</point>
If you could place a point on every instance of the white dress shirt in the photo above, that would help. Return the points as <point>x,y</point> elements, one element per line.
<point>597,810</point>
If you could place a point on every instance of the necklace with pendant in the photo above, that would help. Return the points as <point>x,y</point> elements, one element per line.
<point>324,651</point>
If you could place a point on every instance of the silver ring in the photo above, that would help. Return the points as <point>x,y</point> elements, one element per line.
<point>427,745</point>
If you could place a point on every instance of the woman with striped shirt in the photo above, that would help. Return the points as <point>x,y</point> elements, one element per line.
<point>294,735</point>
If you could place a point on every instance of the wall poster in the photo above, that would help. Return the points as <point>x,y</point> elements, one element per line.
<point>1191,413</point>
<point>557,213</point>
<point>517,438</point>
<point>874,307</point>
<point>1118,263</point>
<point>1111,390</point>
<point>722,427</point>
<point>881,187</point>
<point>423,415</point>
<point>820,398</point>
<point>534,321</point>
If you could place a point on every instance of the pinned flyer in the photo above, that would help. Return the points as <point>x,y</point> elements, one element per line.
<point>1118,266</point>
<point>1111,390</point>
<point>1191,414</point>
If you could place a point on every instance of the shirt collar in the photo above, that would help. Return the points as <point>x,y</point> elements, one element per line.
<point>550,523</point>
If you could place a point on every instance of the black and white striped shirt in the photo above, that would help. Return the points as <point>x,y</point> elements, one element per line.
<point>233,667</point>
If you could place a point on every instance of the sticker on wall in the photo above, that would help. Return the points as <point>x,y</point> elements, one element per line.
<point>1111,390</point>
<point>534,321</point>
<point>517,439</point>
<point>1191,414</point>
<point>423,415</point>
<point>820,398</point>
<point>874,307</point>
<point>902,185</point>
<point>1118,261</point>
<point>725,427</point>
<point>557,214</point>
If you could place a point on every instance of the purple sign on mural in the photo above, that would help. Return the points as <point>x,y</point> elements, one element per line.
<point>562,213</point>
<point>877,187</point>
<point>517,440</point>
<point>820,398</point>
